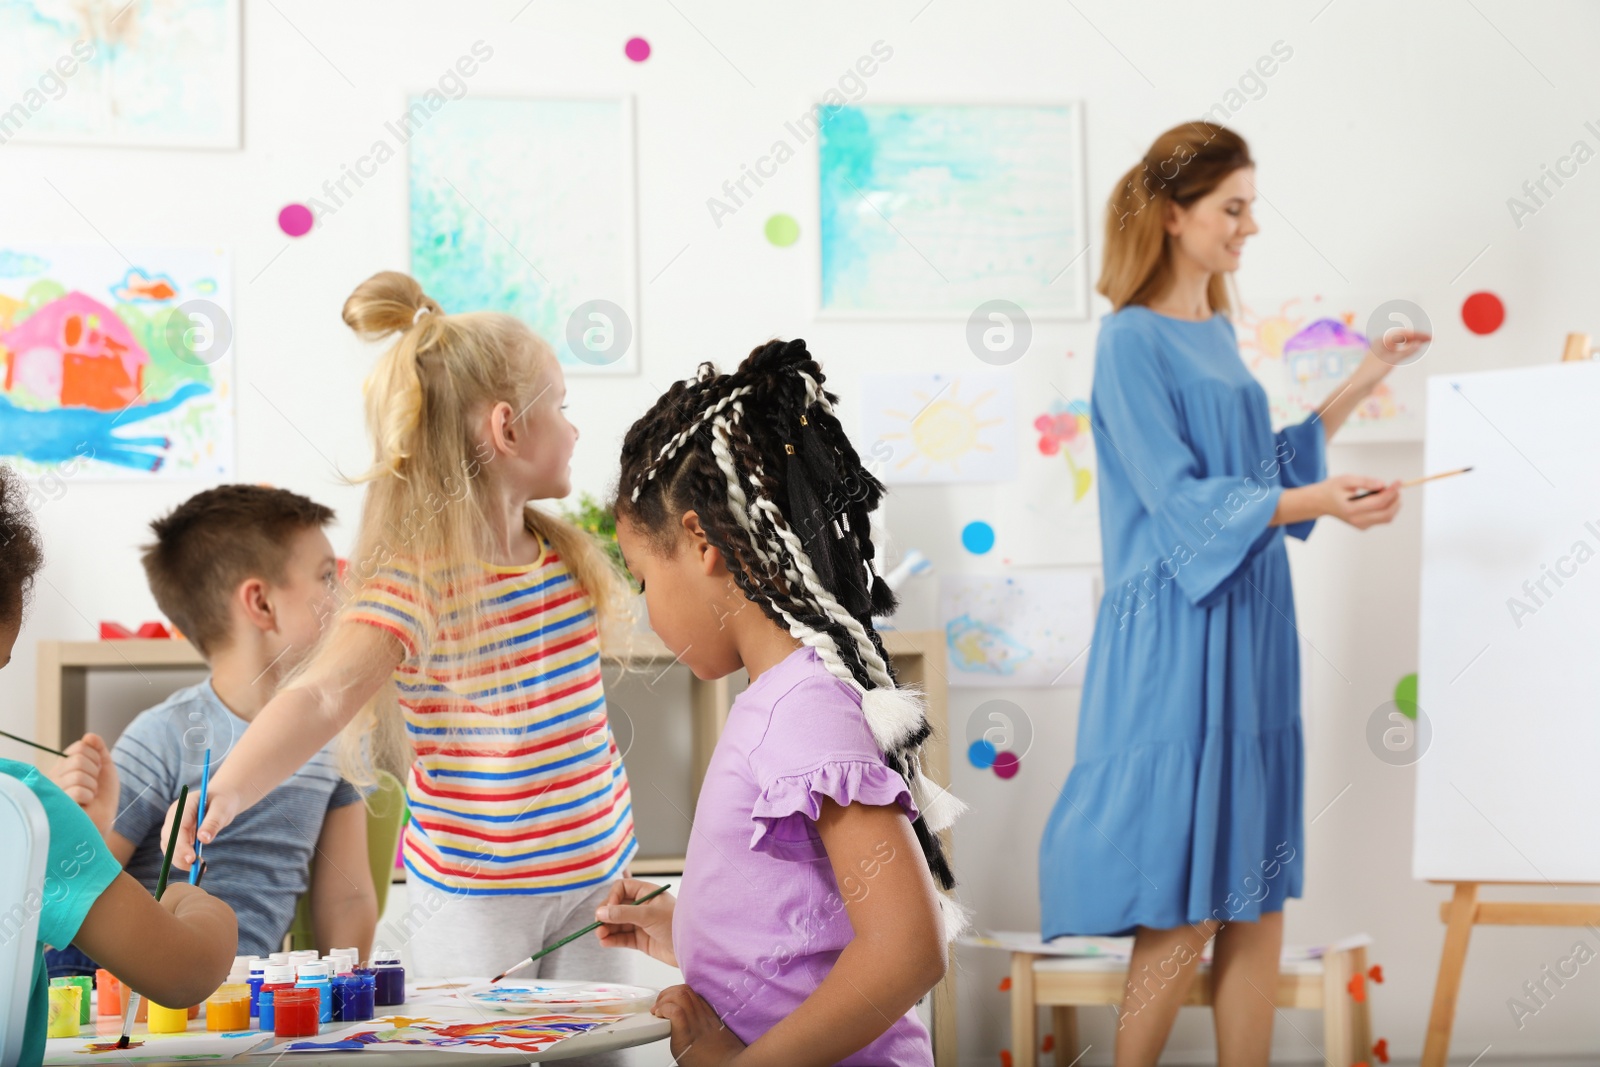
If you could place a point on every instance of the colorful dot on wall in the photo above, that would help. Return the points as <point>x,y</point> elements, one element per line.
<point>1006,764</point>
<point>295,220</point>
<point>981,754</point>
<point>977,537</point>
<point>1405,695</point>
<point>783,230</point>
<point>1005,1057</point>
<point>1483,312</point>
<point>637,49</point>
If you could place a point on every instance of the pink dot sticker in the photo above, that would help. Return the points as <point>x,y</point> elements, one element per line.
<point>295,220</point>
<point>637,49</point>
<point>1006,765</point>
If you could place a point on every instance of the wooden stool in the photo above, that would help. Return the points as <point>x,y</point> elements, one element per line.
<point>1063,983</point>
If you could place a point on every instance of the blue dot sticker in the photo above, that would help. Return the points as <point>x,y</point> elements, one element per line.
<point>981,754</point>
<point>977,537</point>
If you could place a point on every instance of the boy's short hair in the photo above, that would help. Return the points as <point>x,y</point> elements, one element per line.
<point>20,553</point>
<point>213,541</point>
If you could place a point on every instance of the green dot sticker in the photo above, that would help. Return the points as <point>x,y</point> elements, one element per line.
<point>1405,695</point>
<point>782,230</point>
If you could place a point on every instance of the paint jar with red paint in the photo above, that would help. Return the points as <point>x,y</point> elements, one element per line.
<point>274,980</point>
<point>295,1012</point>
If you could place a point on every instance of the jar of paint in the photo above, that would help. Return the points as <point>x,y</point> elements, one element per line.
<point>296,1012</point>
<point>107,993</point>
<point>229,1008</point>
<point>352,957</point>
<point>315,976</point>
<point>276,979</point>
<point>391,984</point>
<point>164,1020</point>
<point>83,983</point>
<point>258,975</point>
<point>64,1001</point>
<point>353,997</point>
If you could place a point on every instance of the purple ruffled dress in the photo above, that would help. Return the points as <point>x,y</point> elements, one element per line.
<point>761,918</point>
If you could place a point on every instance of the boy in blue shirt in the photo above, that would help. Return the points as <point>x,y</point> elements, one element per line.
<point>176,951</point>
<point>248,576</point>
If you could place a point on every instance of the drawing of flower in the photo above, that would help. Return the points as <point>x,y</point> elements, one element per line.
<point>1064,430</point>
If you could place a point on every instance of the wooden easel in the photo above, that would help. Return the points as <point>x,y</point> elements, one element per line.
<point>1465,910</point>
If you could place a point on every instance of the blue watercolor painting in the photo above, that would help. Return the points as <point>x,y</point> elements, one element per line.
<point>123,72</point>
<point>526,207</point>
<point>934,210</point>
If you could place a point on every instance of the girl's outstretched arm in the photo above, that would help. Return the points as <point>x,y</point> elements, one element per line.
<point>337,681</point>
<point>897,955</point>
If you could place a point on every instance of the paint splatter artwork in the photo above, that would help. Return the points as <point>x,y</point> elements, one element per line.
<point>116,370</point>
<point>1025,629</point>
<point>160,72</point>
<point>935,209</point>
<point>550,995</point>
<point>394,1033</point>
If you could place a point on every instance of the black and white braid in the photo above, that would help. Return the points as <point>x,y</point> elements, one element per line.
<point>802,602</point>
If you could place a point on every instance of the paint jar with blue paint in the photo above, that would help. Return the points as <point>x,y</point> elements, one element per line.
<point>314,975</point>
<point>391,977</point>
<point>257,976</point>
<point>353,997</point>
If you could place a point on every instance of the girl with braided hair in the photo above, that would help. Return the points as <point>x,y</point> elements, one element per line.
<point>811,918</point>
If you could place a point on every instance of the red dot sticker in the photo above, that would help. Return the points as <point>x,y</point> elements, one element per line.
<point>1483,313</point>
<point>637,49</point>
<point>1006,764</point>
<point>295,220</point>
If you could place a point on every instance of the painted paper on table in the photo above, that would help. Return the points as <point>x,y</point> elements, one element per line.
<point>401,1033</point>
<point>526,207</point>
<point>1024,629</point>
<point>1303,348</point>
<point>121,72</point>
<point>930,428</point>
<point>934,210</point>
<point>116,371</point>
<point>151,1048</point>
<point>1052,516</point>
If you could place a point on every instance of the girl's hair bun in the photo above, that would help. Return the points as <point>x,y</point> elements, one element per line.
<point>386,303</point>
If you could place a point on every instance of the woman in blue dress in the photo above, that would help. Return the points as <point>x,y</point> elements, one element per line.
<point>1181,818</point>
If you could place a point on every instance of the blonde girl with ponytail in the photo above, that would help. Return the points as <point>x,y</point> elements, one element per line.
<point>471,635</point>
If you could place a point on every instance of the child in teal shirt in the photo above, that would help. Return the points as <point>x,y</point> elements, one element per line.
<point>177,951</point>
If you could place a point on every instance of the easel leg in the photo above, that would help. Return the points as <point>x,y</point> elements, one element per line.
<point>1024,1013</point>
<point>1463,912</point>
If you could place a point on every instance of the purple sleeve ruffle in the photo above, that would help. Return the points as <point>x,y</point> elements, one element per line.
<point>787,810</point>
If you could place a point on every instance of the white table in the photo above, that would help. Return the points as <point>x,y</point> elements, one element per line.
<point>638,1029</point>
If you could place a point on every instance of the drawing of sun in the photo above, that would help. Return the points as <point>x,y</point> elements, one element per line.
<point>943,430</point>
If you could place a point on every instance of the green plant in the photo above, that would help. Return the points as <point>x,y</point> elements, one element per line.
<point>599,521</point>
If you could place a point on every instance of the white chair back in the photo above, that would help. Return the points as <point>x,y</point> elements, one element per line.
<point>25,844</point>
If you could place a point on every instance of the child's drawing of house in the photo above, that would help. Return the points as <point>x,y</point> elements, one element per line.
<point>73,352</point>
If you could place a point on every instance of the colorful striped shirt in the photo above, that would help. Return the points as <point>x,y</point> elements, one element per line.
<point>517,786</point>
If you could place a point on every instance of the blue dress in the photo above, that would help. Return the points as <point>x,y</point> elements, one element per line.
<point>1184,803</point>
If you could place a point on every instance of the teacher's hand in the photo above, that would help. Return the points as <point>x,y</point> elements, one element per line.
<point>1395,347</point>
<point>1380,507</point>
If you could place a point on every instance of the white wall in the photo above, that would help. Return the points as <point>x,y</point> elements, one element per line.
<point>1387,147</point>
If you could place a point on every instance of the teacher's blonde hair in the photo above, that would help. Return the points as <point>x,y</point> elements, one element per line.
<point>1183,165</point>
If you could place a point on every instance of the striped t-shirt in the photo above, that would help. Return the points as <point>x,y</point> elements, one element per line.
<point>517,786</point>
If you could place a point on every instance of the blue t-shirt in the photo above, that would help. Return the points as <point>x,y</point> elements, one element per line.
<point>261,863</point>
<point>78,868</point>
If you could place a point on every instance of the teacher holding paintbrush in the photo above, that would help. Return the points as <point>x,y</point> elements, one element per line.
<point>1182,819</point>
